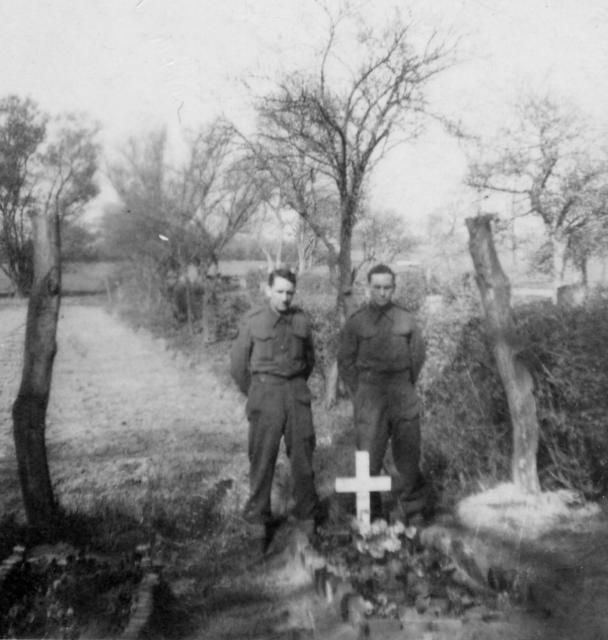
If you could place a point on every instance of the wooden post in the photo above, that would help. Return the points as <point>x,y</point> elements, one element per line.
<point>495,291</point>
<point>29,409</point>
<point>108,289</point>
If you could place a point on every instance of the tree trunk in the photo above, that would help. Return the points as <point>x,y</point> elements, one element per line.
<point>331,384</point>
<point>345,266</point>
<point>584,271</point>
<point>279,253</point>
<point>29,409</point>
<point>559,264</point>
<point>210,309</point>
<point>345,301</point>
<point>495,291</point>
<point>189,312</point>
<point>301,246</point>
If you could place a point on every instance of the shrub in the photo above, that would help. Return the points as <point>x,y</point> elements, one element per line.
<point>232,306</point>
<point>326,330</point>
<point>467,429</point>
<point>142,297</point>
<point>254,279</point>
<point>314,284</point>
<point>567,350</point>
<point>541,260</point>
<point>411,289</point>
<point>466,433</point>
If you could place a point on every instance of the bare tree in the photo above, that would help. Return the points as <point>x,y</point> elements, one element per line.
<point>66,180</point>
<point>282,236</point>
<point>290,233</point>
<point>195,206</point>
<point>47,165</point>
<point>332,128</point>
<point>591,238</point>
<point>140,180</point>
<point>544,161</point>
<point>307,242</point>
<point>383,236</point>
<point>22,131</point>
<point>272,230</point>
<point>295,184</point>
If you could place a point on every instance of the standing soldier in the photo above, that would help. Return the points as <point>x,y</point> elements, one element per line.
<point>380,356</point>
<point>271,361</point>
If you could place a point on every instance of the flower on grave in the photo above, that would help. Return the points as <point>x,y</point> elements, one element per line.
<point>377,538</point>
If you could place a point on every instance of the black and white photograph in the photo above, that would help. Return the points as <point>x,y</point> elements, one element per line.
<point>304,319</point>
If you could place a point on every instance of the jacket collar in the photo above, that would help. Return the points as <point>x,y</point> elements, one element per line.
<point>378,313</point>
<point>274,317</point>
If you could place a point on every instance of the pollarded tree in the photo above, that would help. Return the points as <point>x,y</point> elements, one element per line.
<point>495,290</point>
<point>547,163</point>
<point>29,408</point>
<point>339,123</point>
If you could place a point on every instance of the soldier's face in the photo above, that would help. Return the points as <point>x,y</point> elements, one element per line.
<point>381,289</point>
<point>280,294</point>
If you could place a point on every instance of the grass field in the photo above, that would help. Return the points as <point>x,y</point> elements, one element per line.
<point>78,278</point>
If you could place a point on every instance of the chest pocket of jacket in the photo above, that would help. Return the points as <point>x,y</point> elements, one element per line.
<point>263,344</point>
<point>369,342</point>
<point>387,346</point>
<point>400,343</point>
<point>299,333</point>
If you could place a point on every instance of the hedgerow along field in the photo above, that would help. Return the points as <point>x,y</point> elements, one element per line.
<point>466,427</point>
<point>467,434</point>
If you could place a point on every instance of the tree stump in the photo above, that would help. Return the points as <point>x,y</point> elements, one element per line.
<point>495,291</point>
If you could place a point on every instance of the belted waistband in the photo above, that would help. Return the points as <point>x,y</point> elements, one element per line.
<point>381,377</point>
<point>274,378</point>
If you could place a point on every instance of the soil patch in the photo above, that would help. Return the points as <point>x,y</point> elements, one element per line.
<point>58,592</point>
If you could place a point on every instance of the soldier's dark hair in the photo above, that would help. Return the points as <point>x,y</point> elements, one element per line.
<point>380,269</point>
<point>282,272</point>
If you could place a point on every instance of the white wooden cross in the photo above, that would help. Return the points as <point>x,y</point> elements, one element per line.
<point>362,484</point>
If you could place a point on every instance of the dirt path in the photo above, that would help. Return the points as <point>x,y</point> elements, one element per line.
<point>120,402</point>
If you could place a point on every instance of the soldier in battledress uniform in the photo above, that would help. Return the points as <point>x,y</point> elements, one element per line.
<point>271,361</point>
<point>381,353</point>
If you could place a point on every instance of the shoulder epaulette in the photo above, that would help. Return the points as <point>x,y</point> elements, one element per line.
<point>400,307</point>
<point>255,312</point>
<point>361,309</point>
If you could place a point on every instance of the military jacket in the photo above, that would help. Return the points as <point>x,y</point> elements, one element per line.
<point>272,343</point>
<point>380,340</point>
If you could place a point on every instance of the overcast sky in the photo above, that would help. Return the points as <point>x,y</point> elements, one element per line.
<point>135,64</point>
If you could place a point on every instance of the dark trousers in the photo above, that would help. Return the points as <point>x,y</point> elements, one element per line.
<point>386,408</point>
<point>278,408</point>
